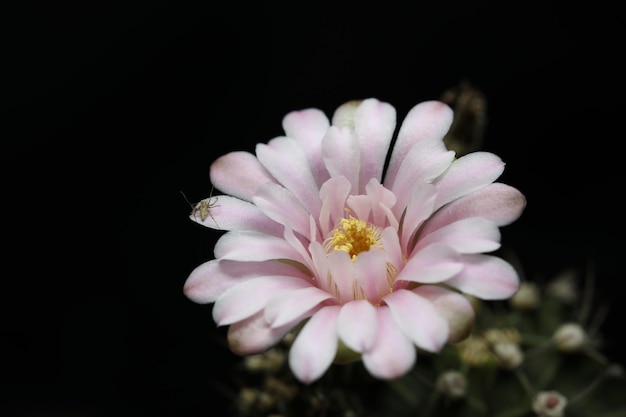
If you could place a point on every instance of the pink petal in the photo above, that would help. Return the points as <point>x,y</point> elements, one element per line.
<point>279,204</point>
<point>419,208</point>
<point>432,264</point>
<point>308,127</point>
<point>422,164</point>
<point>471,235</point>
<point>374,124</point>
<point>230,213</point>
<point>418,319</point>
<point>239,174</point>
<point>254,335</point>
<point>370,271</point>
<point>497,202</point>
<point>340,275</point>
<point>285,159</point>
<point>452,306</point>
<point>341,155</point>
<point>383,199</point>
<point>209,280</point>
<point>289,305</point>
<point>253,246</point>
<point>333,194</point>
<point>486,277</point>
<point>392,354</point>
<point>357,325</point>
<point>467,174</point>
<point>315,346</point>
<point>391,243</point>
<point>428,121</point>
<point>247,298</point>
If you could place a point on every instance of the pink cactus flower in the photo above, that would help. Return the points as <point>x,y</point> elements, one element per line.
<point>375,260</point>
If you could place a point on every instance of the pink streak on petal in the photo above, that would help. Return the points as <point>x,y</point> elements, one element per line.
<point>239,174</point>
<point>315,346</point>
<point>393,354</point>
<point>285,159</point>
<point>308,127</point>
<point>357,325</point>
<point>341,155</point>
<point>370,271</point>
<point>289,305</point>
<point>454,307</point>
<point>418,319</point>
<point>497,202</point>
<point>254,335</point>
<point>467,174</point>
<point>428,121</point>
<point>471,235</point>
<point>281,205</point>
<point>486,277</point>
<point>245,299</point>
<point>432,264</point>
<point>374,124</point>
<point>382,199</point>
<point>231,213</point>
<point>254,246</point>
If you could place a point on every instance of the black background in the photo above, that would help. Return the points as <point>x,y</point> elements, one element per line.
<point>115,108</point>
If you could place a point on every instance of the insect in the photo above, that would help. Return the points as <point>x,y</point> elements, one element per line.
<point>203,208</point>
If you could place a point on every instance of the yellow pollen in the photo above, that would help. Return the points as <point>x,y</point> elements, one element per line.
<point>354,236</point>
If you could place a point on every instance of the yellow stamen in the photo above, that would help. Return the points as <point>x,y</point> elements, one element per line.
<point>354,236</point>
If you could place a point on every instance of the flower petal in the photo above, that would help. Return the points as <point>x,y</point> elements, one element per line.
<point>289,305</point>
<point>247,298</point>
<point>341,155</point>
<point>471,235</point>
<point>209,280</point>
<point>434,263</point>
<point>422,164</point>
<point>418,319</point>
<point>243,245</point>
<point>486,277</point>
<point>239,174</point>
<point>497,202</point>
<point>356,325</point>
<point>279,204</point>
<point>333,193</point>
<point>370,272</point>
<point>374,124</point>
<point>230,213</point>
<point>454,307</point>
<point>315,346</point>
<point>285,159</point>
<point>466,174</point>
<point>254,335</point>
<point>426,122</point>
<point>308,127</point>
<point>392,354</point>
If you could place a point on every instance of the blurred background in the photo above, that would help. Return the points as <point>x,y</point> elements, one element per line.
<point>114,108</point>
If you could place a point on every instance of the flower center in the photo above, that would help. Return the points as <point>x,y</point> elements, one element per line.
<point>354,236</point>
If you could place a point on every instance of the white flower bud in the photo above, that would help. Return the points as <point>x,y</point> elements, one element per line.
<point>570,337</point>
<point>509,354</point>
<point>452,384</point>
<point>549,404</point>
<point>526,298</point>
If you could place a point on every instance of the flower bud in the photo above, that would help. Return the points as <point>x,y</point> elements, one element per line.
<point>509,354</point>
<point>549,404</point>
<point>452,384</point>
<point>526,298</point>
<point>570,337</point>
